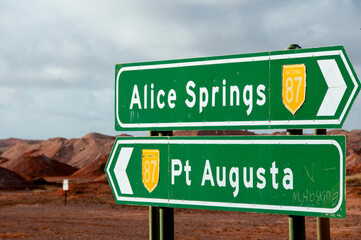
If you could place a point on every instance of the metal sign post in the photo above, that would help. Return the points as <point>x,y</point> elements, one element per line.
<point>65,188</point>
<point>297,228</point>
<point>161,219</point>
<point>323,224</point>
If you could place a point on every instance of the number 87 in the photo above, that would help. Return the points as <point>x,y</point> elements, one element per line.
<point>147,169</point>
<point>289,88</point>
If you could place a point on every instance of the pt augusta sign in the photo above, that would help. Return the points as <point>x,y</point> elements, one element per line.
<point>271,174</point>
<point>305,88</point>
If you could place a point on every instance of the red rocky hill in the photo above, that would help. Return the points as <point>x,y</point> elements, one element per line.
<point>33,165</point>
<point>77,152</point>
<point>353,149</point>
<point>11,180</point>
<point>57,156</point>
<point>94,169</point>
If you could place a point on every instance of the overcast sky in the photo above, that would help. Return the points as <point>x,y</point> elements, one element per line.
<point>57,57</point>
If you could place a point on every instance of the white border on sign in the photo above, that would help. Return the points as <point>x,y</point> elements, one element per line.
<point>228,204</point>
<point>237,123</point>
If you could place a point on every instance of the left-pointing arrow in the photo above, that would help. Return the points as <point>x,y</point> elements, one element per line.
<point>120,170</point>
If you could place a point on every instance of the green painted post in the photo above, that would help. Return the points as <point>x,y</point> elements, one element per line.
<point>294,132</point>
<point>320,132</point>
<point>161,219</point>
<point>323,224</point>
<point>153,223</point>
<point>297,229</point>
<point>153,213</point>
<point>166,220</point>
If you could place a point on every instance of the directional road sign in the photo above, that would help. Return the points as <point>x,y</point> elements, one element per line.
<point>294,175</point>
<point>304,88</point>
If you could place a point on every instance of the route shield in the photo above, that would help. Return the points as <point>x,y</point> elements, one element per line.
<point>293,86</point>
<point>150,168</point>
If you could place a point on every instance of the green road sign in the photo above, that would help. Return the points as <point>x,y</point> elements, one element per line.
<point>305,88</point>
<point>294,175</point>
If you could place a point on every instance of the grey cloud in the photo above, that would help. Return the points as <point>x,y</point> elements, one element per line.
<point>57,57</point>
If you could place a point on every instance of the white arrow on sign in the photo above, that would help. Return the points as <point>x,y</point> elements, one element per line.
<point>120,170</point>
<point>336,87</point>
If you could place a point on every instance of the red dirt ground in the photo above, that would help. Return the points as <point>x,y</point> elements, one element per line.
<point>91,213</point>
